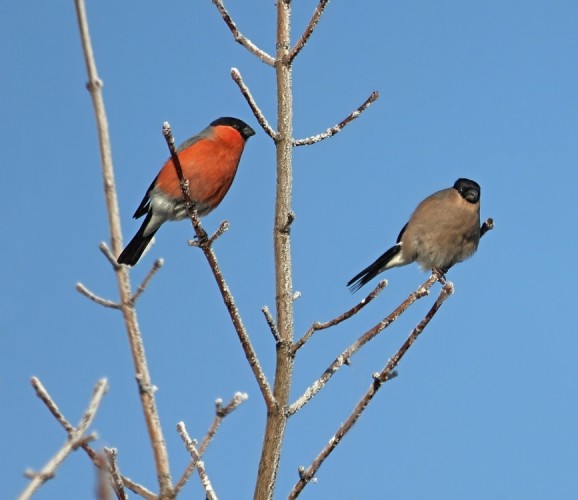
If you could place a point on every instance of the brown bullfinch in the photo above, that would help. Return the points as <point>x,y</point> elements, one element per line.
<point>443,230</point>
<point>209,161</point>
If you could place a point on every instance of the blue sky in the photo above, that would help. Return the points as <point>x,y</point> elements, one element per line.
<point>485,403</point>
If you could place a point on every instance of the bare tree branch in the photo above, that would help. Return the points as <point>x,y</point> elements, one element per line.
<point>76,435</point>
<point>284,294</point>
<point>103,247</point>
<point>220,413</point>
<point>308,31</point>
<point>239,38</point>
<point>93,455</point>
<point>42,393</point>
<point>115,476</point>
<point>315,327</point>
<point>98,393</point>
<point>147,400</point>
<point>271,322</point>
<point>205,245</point>
<point>94,86</point>
<point>49,470</point>
<point>378,380</point>
<point>223,227</point>
<point>337,128</point>
<point>344,357</point>
<point>95,298</point>
<point>142,287</point>
<point>200,466</point>
<point>236,75</point>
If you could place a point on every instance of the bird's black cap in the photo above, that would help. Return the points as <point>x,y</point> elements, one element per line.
<point>240,125</point>
<point>470,190</point>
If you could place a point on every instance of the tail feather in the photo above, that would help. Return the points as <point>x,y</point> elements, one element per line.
<point>133,251</point>
<point>373,270</point>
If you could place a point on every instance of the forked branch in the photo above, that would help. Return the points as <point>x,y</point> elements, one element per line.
<point>96,458</point>
<point>76,437</point>
<point>344,357</point>
<point>220,413</point>
<point>147,399</point>
<point>204,243</point>
<point>306,475</point>
<point>199,464</point>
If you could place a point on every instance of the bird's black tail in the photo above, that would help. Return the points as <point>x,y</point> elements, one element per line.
<point>133,251</point>
<point>372,270</point>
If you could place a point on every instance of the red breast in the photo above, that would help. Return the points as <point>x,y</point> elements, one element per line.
<point>209,164</point>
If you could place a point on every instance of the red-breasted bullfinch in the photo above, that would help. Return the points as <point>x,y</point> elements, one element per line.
<point>443,230</point>
<point>209,161</point>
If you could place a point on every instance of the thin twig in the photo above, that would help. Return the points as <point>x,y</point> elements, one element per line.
<point>315,327</point>
<point>308,31</point>
<point>183,181</point>
<point>220,413</point>
<point>76,437</point>
<point>306,475</point>
<point>204,245</point>
<point>37,479</point>
<point>239,38</point>
<point>200,466</point>
<point>95,298</point>
<point>42,393</point>
<point>115,476</point>
<point>236,75</point>
<point>98,393</point>
<point>142,287</point>
<point>96,458</point>
<point>271,322</point>
<point>337,128</point>
<point>148,403</point>
<point>223,227</point>
<point>103,247</point>
<point>344,357</point>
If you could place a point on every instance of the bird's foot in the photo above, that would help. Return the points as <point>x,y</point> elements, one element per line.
<point>440,274</point>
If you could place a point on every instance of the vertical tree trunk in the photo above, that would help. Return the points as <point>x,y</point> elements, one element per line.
<point>277,418</point>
